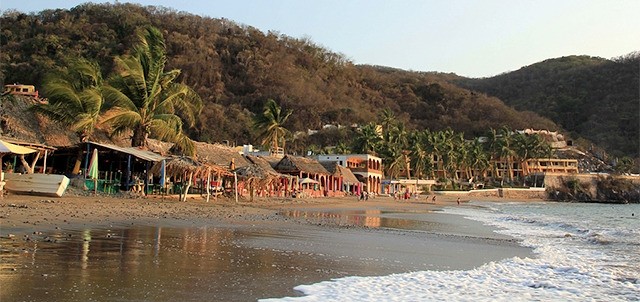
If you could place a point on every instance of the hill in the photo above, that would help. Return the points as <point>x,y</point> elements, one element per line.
<point>593,98</point>
<point>236,68</point>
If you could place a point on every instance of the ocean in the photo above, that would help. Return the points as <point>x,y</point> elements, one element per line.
<point>582,252</point>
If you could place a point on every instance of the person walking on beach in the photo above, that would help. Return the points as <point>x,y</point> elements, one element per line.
<point>433,199</point>
<point>458,200</point>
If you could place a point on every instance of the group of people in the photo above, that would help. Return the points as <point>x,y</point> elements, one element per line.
<point>364,195</point>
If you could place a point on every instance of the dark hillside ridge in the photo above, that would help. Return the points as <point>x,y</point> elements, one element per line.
<point>236,68</point>
<point>591,97</point>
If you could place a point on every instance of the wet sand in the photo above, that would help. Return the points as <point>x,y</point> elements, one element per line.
<point>237,251</point>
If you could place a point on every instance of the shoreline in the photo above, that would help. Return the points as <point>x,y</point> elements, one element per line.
<point>336,237</point>
<point>24,214</point>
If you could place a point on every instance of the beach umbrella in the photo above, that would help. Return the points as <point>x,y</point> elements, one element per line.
<point>308,180</point>
<point>93,170</point>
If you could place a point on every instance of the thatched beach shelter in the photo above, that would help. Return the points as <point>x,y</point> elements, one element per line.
<point>342,180</point>
<point>220,155</point>
<point>302,167</point>
<point>188,169</point>
<point>261,177</point>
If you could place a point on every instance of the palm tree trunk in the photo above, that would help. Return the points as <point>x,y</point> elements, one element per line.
<point>139,138</point>
<point>76,166</point>
<point>407,166</point>
<point>186,190</point>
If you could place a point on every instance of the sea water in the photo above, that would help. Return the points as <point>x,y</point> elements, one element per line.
<point>583,252</point>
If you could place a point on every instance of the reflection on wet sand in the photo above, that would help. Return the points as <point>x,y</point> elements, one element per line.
<point>143,263</point>
<point>154,264</point>
<point>365,218</point>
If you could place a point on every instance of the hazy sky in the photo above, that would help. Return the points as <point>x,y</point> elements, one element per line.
<point>471,38</point>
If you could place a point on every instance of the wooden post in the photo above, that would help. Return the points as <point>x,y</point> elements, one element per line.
<point>208,184</point>
<point>235,180</point>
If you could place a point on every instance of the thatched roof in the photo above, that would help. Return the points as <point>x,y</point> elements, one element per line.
<point>294,164</point>
<point>20,124</point>
<point>259,168</point>
<point>347,175</point>
<point>159,146</point>
<point>272,160</point>
<point>262,162</point>
<point>338,170</point>
<point>220,155</point>
<point>179,165</point>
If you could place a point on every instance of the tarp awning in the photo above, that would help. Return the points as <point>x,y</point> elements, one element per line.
<point>141,154</point>
<point>6,147</point>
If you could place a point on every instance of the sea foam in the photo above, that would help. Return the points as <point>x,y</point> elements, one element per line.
<point>569,265</point>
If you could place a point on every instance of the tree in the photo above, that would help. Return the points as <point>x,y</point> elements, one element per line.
<point>75,99</point>
<point>388,121</point>
<point>145,99</point>
<point>367,140</point>
<point>478,159</point>
<point>526,147</point>
<point>420,156</point>
<point>342,148</point>
<point>506,151</point>
<point>270,125</point>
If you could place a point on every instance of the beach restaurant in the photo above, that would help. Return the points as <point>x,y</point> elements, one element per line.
<point>116,168</point>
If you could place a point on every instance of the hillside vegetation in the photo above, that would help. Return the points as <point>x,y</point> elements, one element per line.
<point>591,97</point>
<point>237,68</point>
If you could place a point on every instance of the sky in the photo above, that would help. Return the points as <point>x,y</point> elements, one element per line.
<point>479,38</point>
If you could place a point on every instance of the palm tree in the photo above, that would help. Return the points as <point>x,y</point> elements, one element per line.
<point>395,159</point>
<point>398,138</point>
<point>342,148</point>
<point>454,153</point>
<point>270,125</point>
<point>144,98</point>
<point>477,159</point>
<point>492,149</point>
<point>75,99</point>
<point>420,157</point>
<point>388,121</point>
<point>367,140</point>
<point>506,151</point>
<point>435,145</point>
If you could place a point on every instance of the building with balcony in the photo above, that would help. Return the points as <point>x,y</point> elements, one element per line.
<point>366,167</point>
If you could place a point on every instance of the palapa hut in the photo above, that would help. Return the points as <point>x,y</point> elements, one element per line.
<point>227,157</point>
<point>187,169</point>
<point>261,178</point>
<point>221,158</point>
<point>306,169</point>
<point>341,181</point>
<point>220,155</point>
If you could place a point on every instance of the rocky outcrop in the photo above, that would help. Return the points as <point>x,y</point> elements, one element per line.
<point>593,188</point>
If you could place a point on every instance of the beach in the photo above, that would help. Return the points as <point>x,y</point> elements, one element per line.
<point>237,251</point>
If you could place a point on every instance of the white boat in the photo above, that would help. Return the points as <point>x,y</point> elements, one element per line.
<point>36,184</point>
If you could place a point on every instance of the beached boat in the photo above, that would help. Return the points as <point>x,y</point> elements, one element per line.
<point>36,184</point>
